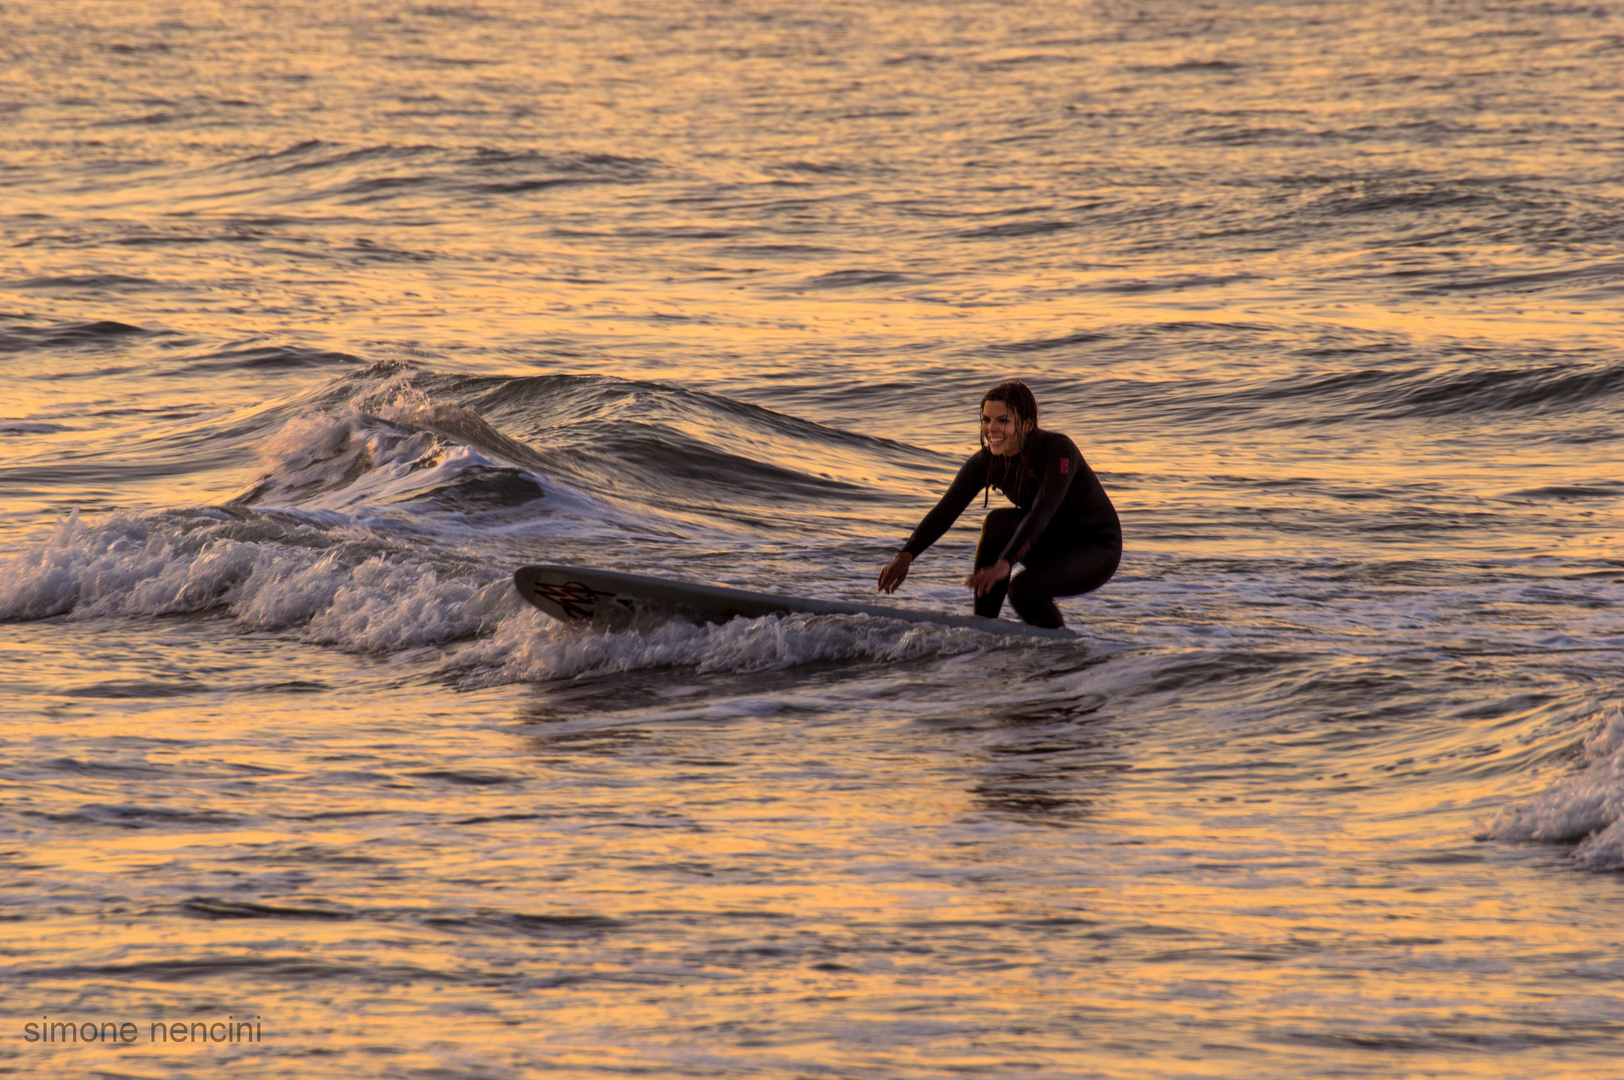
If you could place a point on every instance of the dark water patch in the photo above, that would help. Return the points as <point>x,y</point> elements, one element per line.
<point>376,188</point>
<point>609,742</point>
<point>603,167</point>
<point>209,907</point>
<point>1220,331</point>
<point>155,239</point>
<point>1564,493</point>
<point>1170,283</point>
<point>1503,1039</point>
<point>270,358</point>
<point>1523,282</point>
<point>852,279</point>
<point>1241,135</point>
<point>86,282</point>
<point>152,119</point>
<point>818,168</point>
<point>1380,198</point>
<point>679,471</point>
<point>459,12</point>
<point>313,854</point>
<point>1079,337</point>
<point>542,926</point>
<point>135,688</point>
<point>1536,385</point>
<point>1018,228</point>
<point>296,686</point>
<point>1040,797</point>
<point>367,175</point>
<point>339,815</point>
<point>251,769</point>
<point>100,768</point>
<point>515,187</point>
<point>467,777</point>
<point>491,818</point>
<point>485,488</point>
<point>1134,931</point>
<point>1050,713</point>
<point>138,817</point>
<point>1417,522</point>
<point>1418,215</point>
<point>1005,63</point>
<point>103,332</point>
<point>127,49</point>
<point>370,251</point>
<point>288,154</point>
<point>1448,858</point>
<point>1201,670</point>
<point>598,164</point>
<point>1226,956</point>
<point>1322,387</point>
<point>308,156</point>
<point>798,251</point>
<point>1340,352</point>
<point>30,427</point>
<point>297,968</point>
<point>678,232</point>
<point>1196,67</point>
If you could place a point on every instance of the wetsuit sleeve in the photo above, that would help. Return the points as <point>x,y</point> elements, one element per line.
<point>971,479</point>
<point>1059,468</point>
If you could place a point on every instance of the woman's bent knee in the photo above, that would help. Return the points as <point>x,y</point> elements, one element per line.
<point>1034,605</point>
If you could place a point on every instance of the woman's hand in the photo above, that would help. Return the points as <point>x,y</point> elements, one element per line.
<point>895,572</point>
<point>984,579</point>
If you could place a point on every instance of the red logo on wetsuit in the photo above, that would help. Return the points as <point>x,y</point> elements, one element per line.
<point>1065,466</point>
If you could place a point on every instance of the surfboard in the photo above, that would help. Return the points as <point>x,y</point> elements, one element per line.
<point>611,600</point>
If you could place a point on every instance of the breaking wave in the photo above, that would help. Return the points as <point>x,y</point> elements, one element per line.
<point>1585,809</point>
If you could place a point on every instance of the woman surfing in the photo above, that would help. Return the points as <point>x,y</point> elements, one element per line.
<point>1062,528</point>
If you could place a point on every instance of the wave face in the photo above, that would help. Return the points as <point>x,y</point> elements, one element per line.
<point>316,321</point>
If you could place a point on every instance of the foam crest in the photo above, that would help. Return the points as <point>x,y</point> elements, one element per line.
<point>529,647</point>
<point>1587,807</point>
<point>342,461</point>
<point>352,592</point>
<point>419,469</point>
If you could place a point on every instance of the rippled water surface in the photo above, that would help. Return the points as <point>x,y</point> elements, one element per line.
<point>317,320</point>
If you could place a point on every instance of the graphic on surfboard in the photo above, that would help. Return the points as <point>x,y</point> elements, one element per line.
<point>612,600</point>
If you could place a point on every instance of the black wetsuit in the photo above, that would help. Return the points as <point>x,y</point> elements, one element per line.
<point>1065,530</point>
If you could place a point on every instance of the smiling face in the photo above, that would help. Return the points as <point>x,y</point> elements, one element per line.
<point>1002,428</point>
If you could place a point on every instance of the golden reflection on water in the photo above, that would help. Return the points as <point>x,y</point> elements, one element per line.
<point>1202,932</point>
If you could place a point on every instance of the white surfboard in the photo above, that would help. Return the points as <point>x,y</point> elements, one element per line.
<point>613,601</point>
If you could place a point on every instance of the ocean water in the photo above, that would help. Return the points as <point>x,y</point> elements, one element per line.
<point>317,320</point>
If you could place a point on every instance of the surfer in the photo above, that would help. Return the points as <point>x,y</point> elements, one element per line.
<point>1062,528</point>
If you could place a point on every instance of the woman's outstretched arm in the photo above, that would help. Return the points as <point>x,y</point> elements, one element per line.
<point>972,477</point>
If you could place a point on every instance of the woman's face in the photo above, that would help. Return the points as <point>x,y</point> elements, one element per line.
<point>1002,429</point>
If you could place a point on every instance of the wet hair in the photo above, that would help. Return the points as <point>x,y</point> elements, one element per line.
<point>1018,397</point>
<point>1020,400</point>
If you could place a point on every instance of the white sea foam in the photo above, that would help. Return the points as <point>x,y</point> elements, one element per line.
<point>349,589</point>
<point>530,647</point>
<point>267,574</point>
<point>1587,806</point>
<point>354,460</point>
